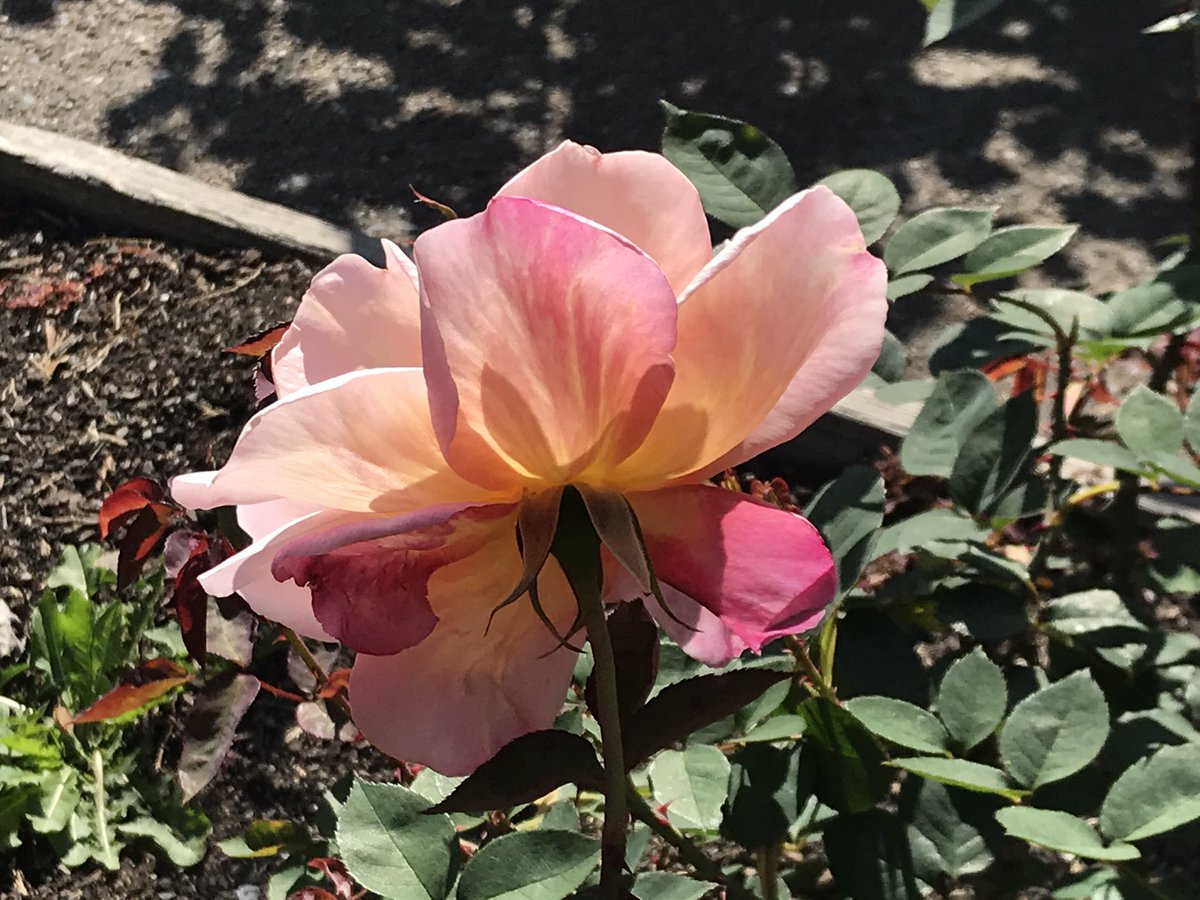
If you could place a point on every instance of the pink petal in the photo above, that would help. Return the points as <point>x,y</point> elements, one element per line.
<point>248,573</point>
<point>762,571</point>
<point>354,316</point>
<point>783,323</point>
<point>362,441</point>
<point>638,195</point>
<point>260,519</point>
<point>457,697</point>
<point>546,341</point>
<point>369,580</point>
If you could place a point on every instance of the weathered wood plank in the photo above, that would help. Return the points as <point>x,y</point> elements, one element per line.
<point>118,190</point>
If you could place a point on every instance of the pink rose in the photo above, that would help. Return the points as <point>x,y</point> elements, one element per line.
<point>579,331</point>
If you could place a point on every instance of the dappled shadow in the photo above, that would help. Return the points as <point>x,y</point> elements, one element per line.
<point>1048,109</point>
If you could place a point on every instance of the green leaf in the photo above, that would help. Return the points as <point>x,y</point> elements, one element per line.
<point>946,829</point>
<point>741,173</point>
<point>691,783</point>
<point>936,236</point>
<point>1064,307</point>
<point>994,454</point>
<point>529,865</point>
<point>59,797</point>
<point>890,365</point>
<point>907,284</point>
<point>211,727</point>
<point>1055,732</point>
<point>870,859</point>
<point>947,16</point>
<point>848,512</point>
<point>1100,453</point>
<point>665,886</point>
<point>1008,251</point>
<point>562,815</point>
<point>1191,423</point>
<point>971,776</point>
<point>848,772</point>
<point>183,849</point>
<point>1154,307</point>
<point>765,784</point>
<point>900,722</point>
<point>391,848</point>
<point>1150,424</point>
<point>940,524</point>
<point>686,706</point>
<point>777,728</point>
<point>1154,795</point>
<point>984,611</point>
<point>871,195</point>
<point>524,769</point>
<point>959,402</point>
<point>1088,611</point>
<point>1061,831</point>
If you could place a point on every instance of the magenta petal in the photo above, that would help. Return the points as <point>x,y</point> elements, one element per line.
<point>762,571</point>
<point>370,580</point>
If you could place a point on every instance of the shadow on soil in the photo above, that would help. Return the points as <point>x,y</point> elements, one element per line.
<point>338,107</point>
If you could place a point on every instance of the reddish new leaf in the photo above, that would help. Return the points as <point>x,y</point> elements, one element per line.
<point>137,690</point>
<point>336,681</point>
<point>335,871</point>
<point>259,345</point>
<point>311,893</point>
<point>141,537</point>
<point>191,607</point>
<point>210,729</point>
<point>126,500</point>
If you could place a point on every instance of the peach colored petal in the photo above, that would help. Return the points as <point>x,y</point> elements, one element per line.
<point>260,519</point>
<point>361,441</point>
<point>546,341</point>
<point>783,323</point>
<point>761,571</point>
<point>369,580</point>
<point>354,316</point>
<point>457,697</point>
<point>639,195</point>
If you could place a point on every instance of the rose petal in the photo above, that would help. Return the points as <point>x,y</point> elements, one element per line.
<point>354,316</point>
<point>784,322</point>
<point>369,580</point>
<point>361,441</point>
<point>762,571</point>
<point>638,195</point>
<point>546,341</point>
<point>457,697</point>
<point>248,573</point>
<point>260,519</point>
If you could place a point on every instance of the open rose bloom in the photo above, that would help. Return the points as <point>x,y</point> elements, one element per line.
<point>579,331</point>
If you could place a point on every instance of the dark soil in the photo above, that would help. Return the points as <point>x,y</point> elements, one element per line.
<point>92,397</point>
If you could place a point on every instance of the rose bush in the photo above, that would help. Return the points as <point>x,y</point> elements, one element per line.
<point>578,332</point>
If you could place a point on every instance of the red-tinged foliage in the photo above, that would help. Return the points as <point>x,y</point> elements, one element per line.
<point>1028,374</point>
<point>445,211</point>
<point>335,681</point>
<point>260,344</point>
<point>188,597</point>
<point>128,499</point>
<point>776,492</point>
<point>281,693</point>
<point>138,688</point>
<point>335,871</point>
<point>210,729</point>
<point>55,294</point>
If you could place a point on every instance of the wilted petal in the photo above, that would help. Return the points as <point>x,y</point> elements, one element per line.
<point>782,324</point>
<point>369,579</point>
<point>639,195</point>
<point>354,316</point>
<point>362,441</point>
<point>454,699</point>
<point>546,341</point>
<point>762,571</point>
